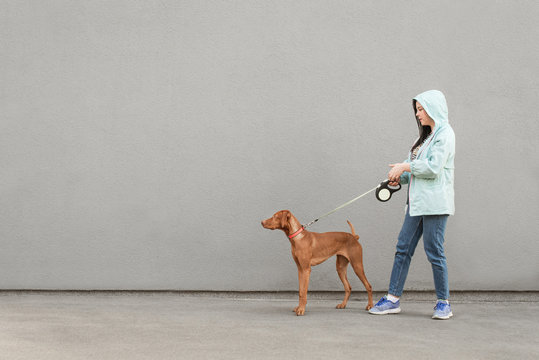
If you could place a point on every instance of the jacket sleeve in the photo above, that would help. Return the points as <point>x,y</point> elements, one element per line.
<point>438,153</point>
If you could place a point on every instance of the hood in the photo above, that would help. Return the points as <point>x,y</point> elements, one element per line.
<point>435,105</point>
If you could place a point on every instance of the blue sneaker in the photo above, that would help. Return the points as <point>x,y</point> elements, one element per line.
<point>442,310</point>
<point>384,306</point>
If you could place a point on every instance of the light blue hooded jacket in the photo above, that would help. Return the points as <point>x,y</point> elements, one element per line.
<point>431,179</point>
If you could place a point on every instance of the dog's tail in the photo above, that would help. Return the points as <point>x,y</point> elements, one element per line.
<point>353,231</point>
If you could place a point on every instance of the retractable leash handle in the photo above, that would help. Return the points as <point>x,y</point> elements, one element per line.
<point>384,191</point>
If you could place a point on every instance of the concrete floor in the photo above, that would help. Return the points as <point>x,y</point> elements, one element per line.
<point>198,326</point>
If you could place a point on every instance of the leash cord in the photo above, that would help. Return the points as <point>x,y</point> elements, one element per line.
<point>340,207</point>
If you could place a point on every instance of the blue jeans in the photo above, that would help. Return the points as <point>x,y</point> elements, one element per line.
<point>432,227</point>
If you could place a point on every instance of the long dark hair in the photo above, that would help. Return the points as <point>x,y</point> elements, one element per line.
<point>424,131</point>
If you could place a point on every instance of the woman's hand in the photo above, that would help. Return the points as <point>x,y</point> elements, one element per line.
<point>396,171</point>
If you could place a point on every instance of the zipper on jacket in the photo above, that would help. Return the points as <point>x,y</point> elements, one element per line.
<point>410,192</point>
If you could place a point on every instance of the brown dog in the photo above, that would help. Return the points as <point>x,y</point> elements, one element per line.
<point>310,249</point>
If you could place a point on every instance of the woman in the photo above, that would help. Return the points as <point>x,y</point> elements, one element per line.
<point>429,173</point>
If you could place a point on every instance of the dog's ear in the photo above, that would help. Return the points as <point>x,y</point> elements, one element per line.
<point>285,217</point>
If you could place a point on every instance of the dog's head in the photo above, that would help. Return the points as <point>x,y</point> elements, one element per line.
<point>279,220</point>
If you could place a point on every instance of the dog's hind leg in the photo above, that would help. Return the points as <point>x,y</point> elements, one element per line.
<point>357,265</point>
<point>342,265</point>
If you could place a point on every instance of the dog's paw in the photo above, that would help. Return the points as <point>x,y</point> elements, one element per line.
<point>341,306</point>
<point>299,310</point>
<point>369,306</point>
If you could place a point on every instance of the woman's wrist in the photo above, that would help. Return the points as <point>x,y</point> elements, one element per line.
<point>406,167</point>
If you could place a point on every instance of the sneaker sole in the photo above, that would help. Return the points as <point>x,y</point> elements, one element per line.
<point>442,317</point>
<point>388,311</point>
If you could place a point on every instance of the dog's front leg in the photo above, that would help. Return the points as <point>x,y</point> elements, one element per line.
<point>304,275</point>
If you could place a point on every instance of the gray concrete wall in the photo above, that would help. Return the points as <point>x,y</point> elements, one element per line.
<point>141,142</point>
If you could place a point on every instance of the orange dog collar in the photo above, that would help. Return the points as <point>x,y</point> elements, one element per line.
<point>297,232</point>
